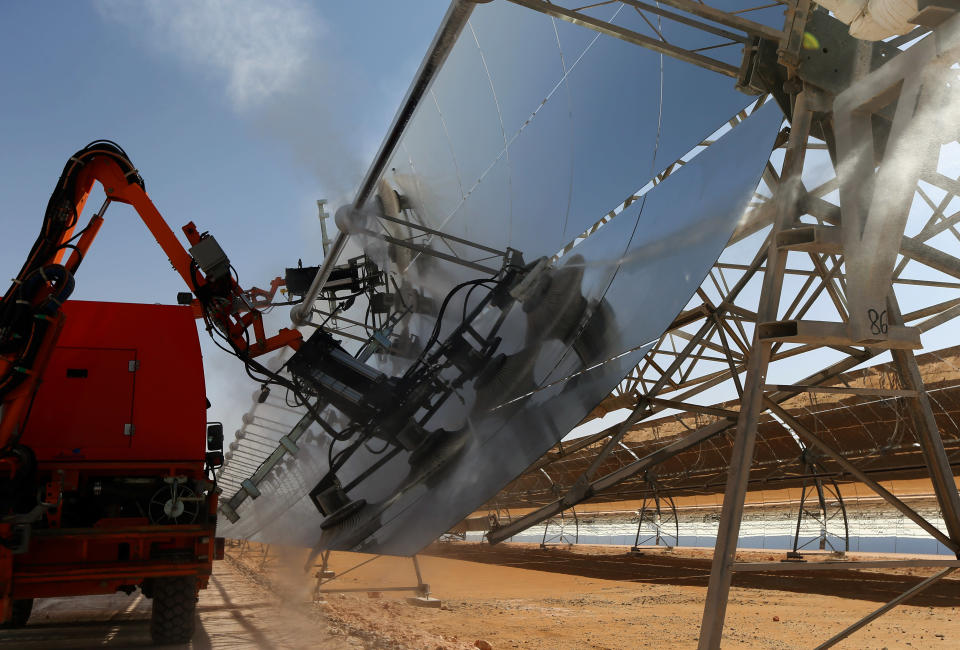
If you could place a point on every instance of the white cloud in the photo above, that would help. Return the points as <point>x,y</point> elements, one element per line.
<point>277,64</point>
<point>257,48</point>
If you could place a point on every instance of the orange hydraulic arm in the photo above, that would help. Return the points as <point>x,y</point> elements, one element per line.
<point>29,313</point>
<point>236,313</point>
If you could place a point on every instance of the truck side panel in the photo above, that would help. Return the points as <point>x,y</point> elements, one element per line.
<point>106,353</point>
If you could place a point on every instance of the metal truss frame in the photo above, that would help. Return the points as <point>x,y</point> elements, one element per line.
<point>849,255</point>
<point>324,576</point>
<point>828,506</point>
<point>727,29</point>
<point>561,530</point>
<point>659,518</point>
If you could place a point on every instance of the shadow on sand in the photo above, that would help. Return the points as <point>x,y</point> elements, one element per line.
<point>677,570</point>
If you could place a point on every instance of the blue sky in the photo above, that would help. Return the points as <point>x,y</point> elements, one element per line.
<point>239,114</point>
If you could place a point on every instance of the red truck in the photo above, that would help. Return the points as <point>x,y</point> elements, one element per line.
<point>106,456</point>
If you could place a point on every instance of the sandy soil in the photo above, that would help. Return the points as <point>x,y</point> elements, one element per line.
<point>234,612</point>
<point>511,596</point>
<point>519,596</point>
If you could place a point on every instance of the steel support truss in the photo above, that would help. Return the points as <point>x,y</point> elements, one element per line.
<point>564,529</point>
<point>324,576</point>
<point>821,505</point>
<point>725,29</point>
<point>657,522</point>
<point>833,260</point>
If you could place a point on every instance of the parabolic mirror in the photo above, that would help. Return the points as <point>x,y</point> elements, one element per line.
<point>497,336</point>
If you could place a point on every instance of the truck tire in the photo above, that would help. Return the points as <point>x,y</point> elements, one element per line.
<point>174,609</point>
<point>21,613</point>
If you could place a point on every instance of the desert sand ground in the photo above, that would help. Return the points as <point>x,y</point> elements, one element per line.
<point>520,596</point>
<point>234,613</point>
<point>512,596</point>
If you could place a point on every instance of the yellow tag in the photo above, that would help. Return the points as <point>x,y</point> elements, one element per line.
<point>810,42</point>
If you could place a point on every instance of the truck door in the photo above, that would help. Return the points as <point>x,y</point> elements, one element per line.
<point>83,408</point>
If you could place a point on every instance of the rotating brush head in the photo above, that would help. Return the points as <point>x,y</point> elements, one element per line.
<point>506,377</point>
<point>557,306</point>
<point>438,449</point>
<point>598,335</point>
<point>343,515</point>
<point>350,529</point>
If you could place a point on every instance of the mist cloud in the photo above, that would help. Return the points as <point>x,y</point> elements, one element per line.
<point>279,69</point>
<point>256,49</point>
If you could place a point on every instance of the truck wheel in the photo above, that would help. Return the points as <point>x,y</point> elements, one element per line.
<point>174,608</point>
<point>21,613</point>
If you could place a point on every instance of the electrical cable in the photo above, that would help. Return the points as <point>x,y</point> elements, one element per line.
<point>335,462</point>
<point>376,452</point>
<point>466,301</point>
<point>435,334</point>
